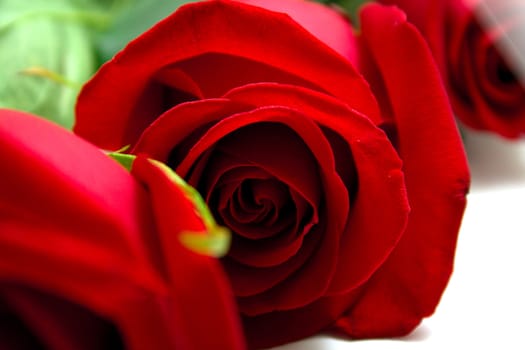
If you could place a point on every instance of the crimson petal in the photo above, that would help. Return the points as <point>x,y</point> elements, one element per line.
<point>371,234</point>
<point>409,284</point>
<point>226,29</point>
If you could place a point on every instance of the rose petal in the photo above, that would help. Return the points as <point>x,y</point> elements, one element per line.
<point>176,79</point>
<point>57,323</point>
<point>111,264</point>
<point>276,328</point>
<point>252,152</point>
<point>230,180</point>
<point>336,194</point>
<point>106,117</point>
<point>327,23</point>
<point>199,285</point>
<point>62,193</point>
<point>263,153</point>
<point>258,145</point>
<point>408,286</point>
<point>39,213</point>
<point>371,234</point>
<point>183,121</point>
<point>267,243</point>
<point>247,281</point>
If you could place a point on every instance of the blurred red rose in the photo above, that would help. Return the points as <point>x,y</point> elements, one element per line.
<point>87,264</point>
<point>474,43</point>
<point>312,166</point>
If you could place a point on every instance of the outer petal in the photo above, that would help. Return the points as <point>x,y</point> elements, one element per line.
<point>202,300</point>
<point>32,319</point>
<point>180,122</point>
<point>70,232</point>
<point>324,22</point>
<point>214,42</point>
<point>429,17</point>
<point>280,327</point>
<point>48,188</point>
<point>82,230</point>
<point>410,283</point>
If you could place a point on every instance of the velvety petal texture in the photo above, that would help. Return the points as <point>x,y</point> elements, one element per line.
<point>477,47</point>
<point>332,156</point>
<point>399,295</point>
<point>84,261</point>
<point>207,46</point>
<point>329,26</point>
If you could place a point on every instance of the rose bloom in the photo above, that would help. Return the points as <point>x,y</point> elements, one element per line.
<point>91,259</point>
<point>474,43</point>
<point>333,157</point>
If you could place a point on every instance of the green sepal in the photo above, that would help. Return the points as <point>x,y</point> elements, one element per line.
<point>216,240</point>
<point>215,243</point>
<point>192,194</point>
<point>126,160</point>
<point>123,149</point>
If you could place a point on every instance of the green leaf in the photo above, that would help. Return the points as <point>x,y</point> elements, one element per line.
<point>133,19</point>
<point>47,53</point>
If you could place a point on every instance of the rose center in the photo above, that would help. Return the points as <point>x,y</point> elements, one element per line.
<point>263,205</point>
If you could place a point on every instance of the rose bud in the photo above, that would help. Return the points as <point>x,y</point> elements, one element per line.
<point>90,258</point>
<point>337,166</point>
<point>474,43</point>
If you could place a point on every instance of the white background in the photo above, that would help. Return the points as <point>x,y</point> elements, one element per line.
<point>484,303</point>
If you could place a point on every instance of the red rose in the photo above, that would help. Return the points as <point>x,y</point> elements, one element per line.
<point>286,141</point>
<point>470,42</point>
<point>87,264</point>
